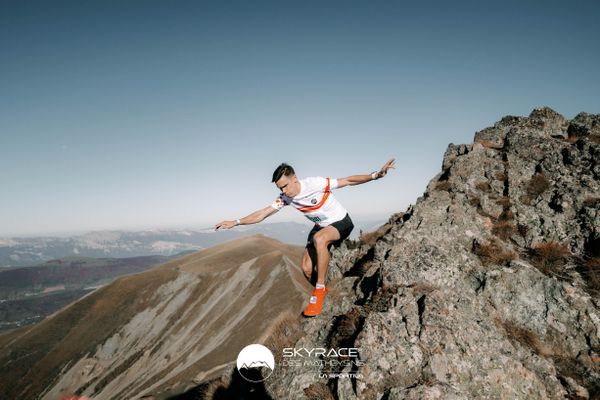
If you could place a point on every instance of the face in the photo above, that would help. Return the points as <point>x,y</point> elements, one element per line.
<point>289,185</point>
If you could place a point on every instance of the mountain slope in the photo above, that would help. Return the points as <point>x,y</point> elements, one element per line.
<point>158,330</point>
<point>29,294</point>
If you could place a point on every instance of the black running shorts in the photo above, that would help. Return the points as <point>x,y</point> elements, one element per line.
<point>344,227</point>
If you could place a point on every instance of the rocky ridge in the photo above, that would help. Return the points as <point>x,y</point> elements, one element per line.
<point>487,287</point>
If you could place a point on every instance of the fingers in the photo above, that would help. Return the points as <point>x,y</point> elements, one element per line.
<point>390,164</point>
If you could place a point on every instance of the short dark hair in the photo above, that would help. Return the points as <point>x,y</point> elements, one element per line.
<point>283,169</point>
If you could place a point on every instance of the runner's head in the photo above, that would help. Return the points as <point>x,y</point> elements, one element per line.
<point>286,180</point>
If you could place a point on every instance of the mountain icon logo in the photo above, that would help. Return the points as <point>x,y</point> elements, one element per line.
<point>255,363</point>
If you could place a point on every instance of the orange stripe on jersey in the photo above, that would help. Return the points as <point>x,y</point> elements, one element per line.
<point>323,200</point>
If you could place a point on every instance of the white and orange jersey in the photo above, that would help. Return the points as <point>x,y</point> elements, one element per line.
<point>315,201</point>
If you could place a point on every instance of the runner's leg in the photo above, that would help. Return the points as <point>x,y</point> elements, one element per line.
<point>307,265</point>
<point>322,239</point>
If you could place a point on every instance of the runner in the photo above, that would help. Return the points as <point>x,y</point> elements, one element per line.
<point>312,196</point>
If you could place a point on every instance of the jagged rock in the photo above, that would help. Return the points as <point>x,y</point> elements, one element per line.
<point>584,124</point>
<point>549,121</point>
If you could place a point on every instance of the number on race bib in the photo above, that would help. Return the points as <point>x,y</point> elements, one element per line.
<point>314,219</point>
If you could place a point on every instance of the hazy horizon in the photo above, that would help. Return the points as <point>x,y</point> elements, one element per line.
<point>142,115</point>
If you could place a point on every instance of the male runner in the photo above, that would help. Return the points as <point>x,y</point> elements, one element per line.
<point>312,196</point>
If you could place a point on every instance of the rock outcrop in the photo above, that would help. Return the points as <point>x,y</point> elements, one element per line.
<point>487,287</point>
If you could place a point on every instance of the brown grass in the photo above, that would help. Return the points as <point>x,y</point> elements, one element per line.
<point>504,229</point>
<point>475,201</point>
<point>347,327</point>
<point>372,237</point>
<point>591,201</point>
<point>318,391</point>
<point>284,332</point>
<point>501,176</point>
<point>493,253</point>
<point>506,214</point>
<point>420,288</point>
<point>442,185</point>
<point>595,138</point>
<point>484,186</point>
<point>550,257</point>
<point>522,229</point>
<point>528,338</point>
<point>488,144</point>
<point>571,139</point>
<point>525,199</point>
<point>215,386</point>
<point>503,201</point>
<point>537,185</point>
<point>590,272</point>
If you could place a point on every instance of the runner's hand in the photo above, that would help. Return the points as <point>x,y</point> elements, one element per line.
<point>388,165</point>
<point>225,225</point>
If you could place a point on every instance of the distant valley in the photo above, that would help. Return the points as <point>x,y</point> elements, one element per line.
<point>29,294</point>
<point>28,251</point>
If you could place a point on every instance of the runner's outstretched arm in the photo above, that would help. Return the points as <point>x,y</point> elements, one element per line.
<point>254,218</point>
<point>358,179</point>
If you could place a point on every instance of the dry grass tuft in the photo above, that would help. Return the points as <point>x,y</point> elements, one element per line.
<point>527,338</point>
<point>537,185</point>
<point>525,199</point>
<point>216,386</point>
<point>420,288</point>
<point>284,332</point>
<point>493,253</point>
<point>442,185</point>
<point>506,215</point>
<point>571,139</point>
<point>318,391</point>
<point>594,138</point>
<point>475,201</point>
<point>550,257</point>
<point>503,201</point>
<point>372,237</point>
<point>489,144</point>
<point>590,272</point>
<point>591,201</point>
<point>347,327</point>
<point>501,176</point>
<point>504,229</point>
<point>484,186</point>
<point>522,229</point>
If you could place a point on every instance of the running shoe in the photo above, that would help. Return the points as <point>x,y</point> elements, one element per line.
<point>315,304</point>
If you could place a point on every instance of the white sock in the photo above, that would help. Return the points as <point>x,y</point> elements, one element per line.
<point>320,286</point>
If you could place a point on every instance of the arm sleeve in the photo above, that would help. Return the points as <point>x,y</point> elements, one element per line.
<point>320,183</point>
<point>278,203</point>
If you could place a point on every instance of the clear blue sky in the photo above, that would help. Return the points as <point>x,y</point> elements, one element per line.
<point>149,114</point>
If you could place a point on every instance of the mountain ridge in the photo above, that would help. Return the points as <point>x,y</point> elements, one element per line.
<point>183,303</point>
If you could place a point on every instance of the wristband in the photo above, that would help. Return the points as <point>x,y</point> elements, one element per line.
<point>237,222</point>
<point>374,175</point>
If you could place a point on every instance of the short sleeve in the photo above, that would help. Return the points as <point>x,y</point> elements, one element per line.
<point>278,203</point>
<point>322,182</point>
